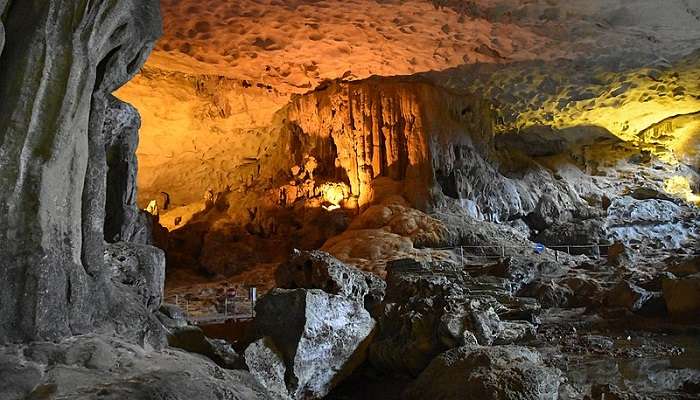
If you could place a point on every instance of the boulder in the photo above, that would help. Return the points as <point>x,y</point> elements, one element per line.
<point>549,293</point>
<point>683,266</point>
<point>585,291</point>
<point>171,316</point>
<point>627,295</point>
<point>652,223</point>
<point>134,292</point>
<point>18,378</point>
<point>320,270</point>
<point>682,296</point>
<point>487,373</point>
<point>547,212</point>
<point>265,363</point>
<point>522,271</point>
<point>192,339</point>
<point>575,233</point>
<point>321,337</point>
<point>430,308</point>
<point>619,255</point>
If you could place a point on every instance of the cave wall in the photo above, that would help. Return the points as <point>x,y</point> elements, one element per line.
<point>199,132</point>
<point>3,5</point>
<point>60,61</point>
<point>438,146</point>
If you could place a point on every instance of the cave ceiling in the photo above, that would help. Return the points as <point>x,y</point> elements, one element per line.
<point>211,91</point>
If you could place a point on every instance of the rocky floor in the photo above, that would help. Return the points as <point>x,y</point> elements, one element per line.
<point>585,328</point>
<point>647,358</point>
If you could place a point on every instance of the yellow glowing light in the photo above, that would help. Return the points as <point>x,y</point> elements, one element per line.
<point>680,186</point>
<point>152,207</point>
<point>333,194</point>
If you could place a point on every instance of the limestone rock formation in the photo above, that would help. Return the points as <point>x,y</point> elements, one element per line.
<point>652,222</point>
<point>494,373</point>
<point>193,340</point>
<point>542,64</point>
<point>319,270</point>
<point>124,221</point>
<point>141,267</point>
<point>93,366</point>
<point>171,316</point>
<point>266,364</point>
<point>429,309</point>
<point>321,337</point>
<point>562,122</point>
<point>53,166</point>
<point>682,296</point>
<point>628,295</point>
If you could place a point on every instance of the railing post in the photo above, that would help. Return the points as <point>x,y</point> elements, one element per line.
<point>503,251</point>
<point>225,305</point>
<point>253,298</point>
<point>461,255</point>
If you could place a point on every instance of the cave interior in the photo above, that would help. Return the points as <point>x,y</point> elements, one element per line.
<point>350,199</point>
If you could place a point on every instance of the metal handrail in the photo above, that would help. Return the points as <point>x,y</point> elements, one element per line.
<point>215,317</point>
<point>503,248</point>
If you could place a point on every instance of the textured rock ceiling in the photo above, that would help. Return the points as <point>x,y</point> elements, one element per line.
<point>210,93</point>
<point>293,45</point>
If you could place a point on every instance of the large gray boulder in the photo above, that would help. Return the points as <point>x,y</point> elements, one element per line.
<point>321,337</point>
<point>487,373</point>
<point>577,233</point>
<point>266,364</point>
<point>137,277</point>
<point>59,62</point>
<point>547,212</point>
<point>319,270</point>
